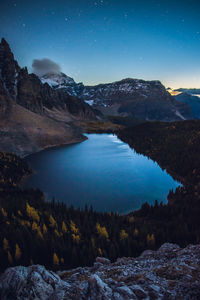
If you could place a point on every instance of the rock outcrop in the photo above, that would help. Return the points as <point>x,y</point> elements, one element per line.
<point>169,273</point>
<point>9,69</point>
<point>33,115</point>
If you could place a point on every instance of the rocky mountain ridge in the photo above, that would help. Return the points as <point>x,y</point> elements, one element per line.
<point>34,116</point>
<point>140,99</point>
<point>168,273</point>
<point>191,97</point>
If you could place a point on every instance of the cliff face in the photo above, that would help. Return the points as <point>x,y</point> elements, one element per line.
<point>9,69</point>
<point>169,273</point>
<point>34,116</point>
<point>37,97</point>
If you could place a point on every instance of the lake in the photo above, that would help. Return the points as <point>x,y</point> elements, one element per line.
<point>103,172</point>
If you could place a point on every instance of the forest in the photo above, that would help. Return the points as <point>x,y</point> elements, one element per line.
<point>34,231</point>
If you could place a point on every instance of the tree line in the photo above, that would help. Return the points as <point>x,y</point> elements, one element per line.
<point>34,231</point>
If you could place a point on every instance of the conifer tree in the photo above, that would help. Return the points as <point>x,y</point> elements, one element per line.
<point>44,228</point>
<point>10,258</point>
<point>55,259</point>
<point>123,234</point>
<point>32,212</point>
<point>4,213</point>
<point>5,245</point>
<point>64,227</point>
<point>18,252</point>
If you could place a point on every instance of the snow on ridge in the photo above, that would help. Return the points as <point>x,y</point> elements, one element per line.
<point>50,82</point>
<point>179,115</point>
<point>196,95</point>
<point>57,80</point>
<point>90,102</point>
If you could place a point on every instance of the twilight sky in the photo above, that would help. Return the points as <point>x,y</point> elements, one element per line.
<point>107,40</point>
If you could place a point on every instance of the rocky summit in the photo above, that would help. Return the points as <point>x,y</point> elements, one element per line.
<point>168,273</point>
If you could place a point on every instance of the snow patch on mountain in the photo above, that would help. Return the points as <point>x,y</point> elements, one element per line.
<point>196,95</point>
<point>57,80</point>
<point>179,115</point>
<point>90,102</point>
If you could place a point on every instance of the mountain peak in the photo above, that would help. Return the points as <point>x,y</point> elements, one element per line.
<point>57,79</point>
<point>4,43</point>
<point>9,68</point>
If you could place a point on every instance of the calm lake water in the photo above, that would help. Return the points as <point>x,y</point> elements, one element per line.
<point>101,171</point>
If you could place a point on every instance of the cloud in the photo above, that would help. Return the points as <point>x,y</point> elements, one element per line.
<point>45,65</point>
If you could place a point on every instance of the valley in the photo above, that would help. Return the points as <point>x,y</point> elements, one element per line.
<point>41,112</point>
<point>70,234</point>
<point>99,150</point>
<point>38,113</point>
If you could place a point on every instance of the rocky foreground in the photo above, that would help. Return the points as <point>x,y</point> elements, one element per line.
<point>169,273</point>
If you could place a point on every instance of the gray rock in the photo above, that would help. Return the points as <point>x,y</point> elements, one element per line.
<point>103,260</point>
<point>155,275</point>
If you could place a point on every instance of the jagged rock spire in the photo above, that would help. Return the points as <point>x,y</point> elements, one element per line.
<point>9,69</point>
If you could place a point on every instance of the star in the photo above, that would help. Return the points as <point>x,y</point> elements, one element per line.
<point>24,25</point>
<point>66,19</point>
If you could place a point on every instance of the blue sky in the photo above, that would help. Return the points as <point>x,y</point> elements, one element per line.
<point>103,41</point>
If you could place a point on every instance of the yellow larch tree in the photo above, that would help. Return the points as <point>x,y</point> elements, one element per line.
<point>32,213</point>
<point>55,259</point>
<point>52,222</point>
<point>18,252</point>
<point>76,238</point>
<point>44,228</point>
<point>123,235</point>
<point>4,213</point>
<point>10,258</point>
<point>64,227</point>
<point>150,239</point>
<point>5,245</point>
<point>136,232</point>
<point>73,227</point>
<point>102,231</point>
<point>62,260</point>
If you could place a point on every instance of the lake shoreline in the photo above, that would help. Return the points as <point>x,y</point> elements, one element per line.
<point>103,172</point>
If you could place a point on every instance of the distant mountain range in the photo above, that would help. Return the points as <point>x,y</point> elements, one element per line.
<point>144,100</point>
<point>190,97</point>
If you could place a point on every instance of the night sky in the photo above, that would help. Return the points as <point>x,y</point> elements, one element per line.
<point>102,41</point>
